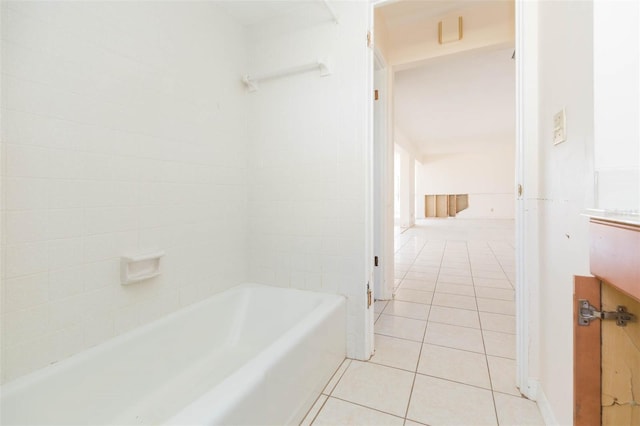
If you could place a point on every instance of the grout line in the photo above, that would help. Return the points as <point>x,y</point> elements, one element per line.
<point>486,358</point>
<point>365,406</point>
<point>424,335</point>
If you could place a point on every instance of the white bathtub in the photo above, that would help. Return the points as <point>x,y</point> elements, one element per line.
<point>251,355</point>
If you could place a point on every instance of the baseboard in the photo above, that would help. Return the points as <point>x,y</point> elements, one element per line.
<point>543,404</point>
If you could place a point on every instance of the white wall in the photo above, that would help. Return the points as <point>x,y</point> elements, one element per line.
<point>565,66</point>
<point>617,104</point>
<point>123,128</point>
<point>310,163</point>
<point>488,178</point>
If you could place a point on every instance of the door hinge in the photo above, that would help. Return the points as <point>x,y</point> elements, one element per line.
<point>369,41</point>
<point>369,294</point>
<point>519,190</point>
<point>587,313</point>
<point>375,95</point>
<point>375,261</point>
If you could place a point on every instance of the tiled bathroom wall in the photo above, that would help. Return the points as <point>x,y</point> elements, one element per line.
<point>308,159</point>
<point>123,128</point>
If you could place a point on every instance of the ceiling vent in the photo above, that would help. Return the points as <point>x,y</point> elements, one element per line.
<point>450,29</point>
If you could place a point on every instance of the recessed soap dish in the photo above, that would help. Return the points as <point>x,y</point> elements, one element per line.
<point>135,267</point>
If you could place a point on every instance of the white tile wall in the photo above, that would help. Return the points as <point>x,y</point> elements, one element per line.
<point>307,206</point>
<point>122,128</point>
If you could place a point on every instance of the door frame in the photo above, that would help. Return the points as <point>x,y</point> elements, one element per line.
<point>383,180</point>
<point>526,175</point>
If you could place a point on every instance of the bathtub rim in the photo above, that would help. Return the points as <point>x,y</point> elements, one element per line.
<point>19,383</point>
<point>255,370</point>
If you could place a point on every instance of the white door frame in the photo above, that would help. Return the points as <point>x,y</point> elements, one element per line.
<point>526,175</point>
<point>526,212</point>
<point>383,174</point>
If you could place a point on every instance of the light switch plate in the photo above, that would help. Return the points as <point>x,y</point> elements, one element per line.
<point>559,127</point>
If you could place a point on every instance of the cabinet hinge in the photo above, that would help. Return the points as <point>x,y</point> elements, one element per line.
<point>587,313</point>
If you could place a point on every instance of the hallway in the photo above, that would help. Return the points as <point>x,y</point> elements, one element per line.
<point>445,347</point>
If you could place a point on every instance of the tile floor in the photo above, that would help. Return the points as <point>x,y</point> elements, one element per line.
<point>445,346</point>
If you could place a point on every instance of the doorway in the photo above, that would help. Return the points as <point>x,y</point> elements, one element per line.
<point>500,204</point>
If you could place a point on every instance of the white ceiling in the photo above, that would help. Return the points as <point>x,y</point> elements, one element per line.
<point>255,12</point>
<point>458,103</point>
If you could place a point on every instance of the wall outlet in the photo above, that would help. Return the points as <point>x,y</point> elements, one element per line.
<point>559,127</point>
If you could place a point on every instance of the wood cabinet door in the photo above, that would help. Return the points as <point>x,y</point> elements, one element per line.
<point>606,359</point>
<point>586,357</point>
<point>620,362</point>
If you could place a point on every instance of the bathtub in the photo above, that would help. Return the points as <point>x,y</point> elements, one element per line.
<point>251,355</point>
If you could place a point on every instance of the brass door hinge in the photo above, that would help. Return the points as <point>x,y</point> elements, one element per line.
<point>369,294</point>
<point>369,39</point>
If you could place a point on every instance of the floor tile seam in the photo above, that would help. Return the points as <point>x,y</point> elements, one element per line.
<point>410,301</point>
<point>519,396</point>
<point>371,361</point>
<point>455,381</point>
<point>501,356</point>
<point>399,316</point>
<point>339,378</point>
<point>484,345</point>
<point>451,293</point>
<point>424,334</point>
<point>415,289</point>
<point>401,338</point>
<point>455,307</point>
<point>366,406</point>
<point>501,266</point>
<point>403,316</point>
<point>319,410</point>
<point>456,325</point>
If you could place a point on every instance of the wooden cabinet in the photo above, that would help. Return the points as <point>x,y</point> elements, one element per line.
<point>606,355</point>
<point>445,205</point>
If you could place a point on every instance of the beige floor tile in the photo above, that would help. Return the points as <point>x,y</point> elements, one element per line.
<point>414,275</point>
<point>453,316</point>
<point>404,328</point>
<point>498,322</point>
<point>412,423</point>
<point>379,305</point>
<point>454,279</point>
<point>393,352</point>
<point>376,386</point>
<point>431,269</point>
<point>495,293</point>
<point>336,377</point>
<point>415,296</point>
<point>337,413</point>
<point>496,275</point>
<point>455,271</point>
<point>461,289</point>
<point>441,402</point>
<point>454,364</point>
<point>407,309</point>
<point>451,336</point>
<point>454,301</point>
<point>495,306</point>
<point>422,285</point>
<point>503,375</point>
<point>490,282</point>
<point>500,344</point>
<point>517,411</point>
<point>314,410</point>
